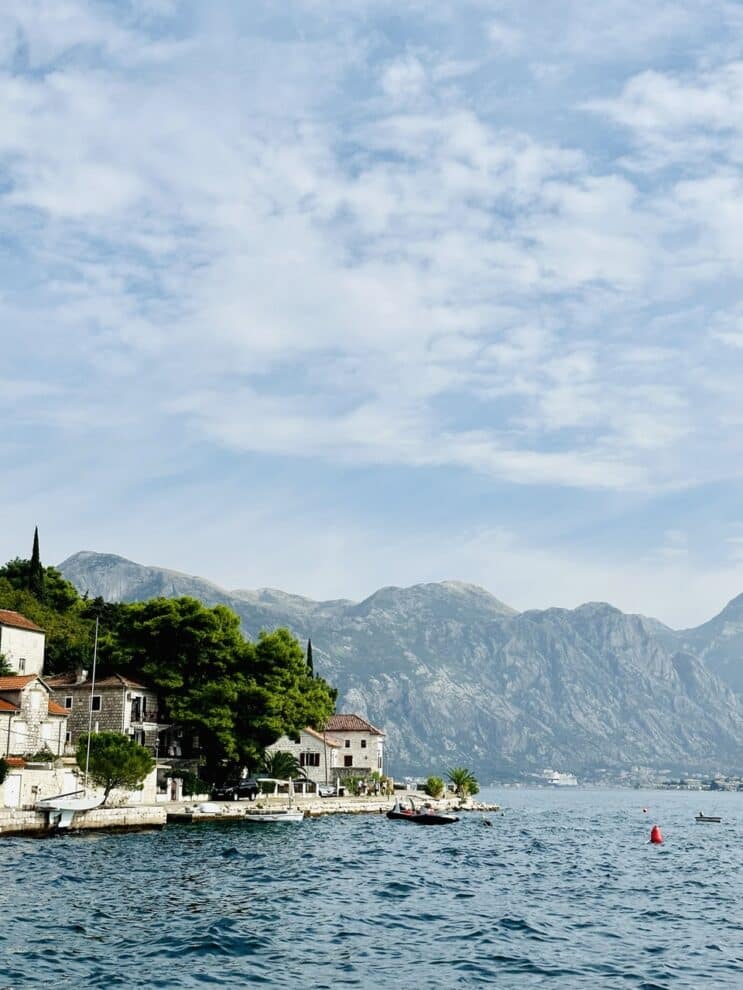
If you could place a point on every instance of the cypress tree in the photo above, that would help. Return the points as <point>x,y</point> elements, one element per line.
<point>309,657</point>
<point>36,571</point>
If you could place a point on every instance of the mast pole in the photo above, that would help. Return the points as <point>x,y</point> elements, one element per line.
<point>90,708</point>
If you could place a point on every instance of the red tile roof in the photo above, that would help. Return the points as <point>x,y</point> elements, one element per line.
<point>16,682</point>
<point>15,761</point>
<point>351,723</point>
<point>6,706</point>
<point>321,737</point>
<point>55,709</point>
<point>8,618</point>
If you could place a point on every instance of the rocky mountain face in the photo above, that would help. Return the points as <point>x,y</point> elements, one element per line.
<point>454,676</point>
<point>719,643</point>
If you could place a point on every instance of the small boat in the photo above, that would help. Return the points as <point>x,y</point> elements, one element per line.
<point>271,817</point>
<point>707,818</point>
<point>419,816</point>
<point>62,807</point>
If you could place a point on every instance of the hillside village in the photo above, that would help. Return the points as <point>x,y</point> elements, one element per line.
<point>43,717</point>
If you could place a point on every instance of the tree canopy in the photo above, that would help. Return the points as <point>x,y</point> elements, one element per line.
<point>464,781</point>
<point>115,761</point>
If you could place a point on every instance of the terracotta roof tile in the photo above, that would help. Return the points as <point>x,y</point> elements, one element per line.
<point>15,761</point>
<point>321,737</point>
<point>7,706</point>
<point>55,709</point>
<point>8,618</point>
<point>351,723</point>
<point>16,682</point>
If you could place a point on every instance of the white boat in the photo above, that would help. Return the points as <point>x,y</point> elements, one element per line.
<point>271,817</point>
<point>62,808</point>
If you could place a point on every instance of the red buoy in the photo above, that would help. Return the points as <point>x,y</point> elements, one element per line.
<point>656,836</point>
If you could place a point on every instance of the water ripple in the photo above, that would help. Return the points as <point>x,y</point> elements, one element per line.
<point>564,892</point>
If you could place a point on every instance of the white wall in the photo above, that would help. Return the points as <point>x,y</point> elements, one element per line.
<point>37,784</point>
<point>309,744</point>
<point>364,757</point>
<point>18,644</point>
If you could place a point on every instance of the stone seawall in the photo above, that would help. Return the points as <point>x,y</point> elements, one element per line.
<point>36,823</point>
<point>312,808</point>
<point>136,817</point>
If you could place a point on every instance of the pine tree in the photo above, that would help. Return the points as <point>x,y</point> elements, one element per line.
<point>309,658</point>
<point>36,571</point>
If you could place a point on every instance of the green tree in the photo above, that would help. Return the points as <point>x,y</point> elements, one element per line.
<point>310,665</point>
<point>281,765</point>
<point>5,669</point>
<point>115,761</point>
<point>193,656</point>
<point>4,769</point>
<point>464,781</point>
<point>36,571</point>
<point>59,594</point>
<point>278,696</point>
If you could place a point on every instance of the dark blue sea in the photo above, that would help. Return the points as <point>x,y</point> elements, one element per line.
<point>562,890</point>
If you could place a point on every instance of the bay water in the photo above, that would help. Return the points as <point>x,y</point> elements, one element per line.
<point>561,889</point>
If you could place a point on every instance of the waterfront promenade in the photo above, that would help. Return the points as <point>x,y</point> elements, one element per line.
<point>147,816</point>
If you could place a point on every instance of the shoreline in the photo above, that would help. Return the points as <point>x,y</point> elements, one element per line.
<point>141,817</point>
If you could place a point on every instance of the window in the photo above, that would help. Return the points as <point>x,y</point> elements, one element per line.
<point>347,761</point>
<point>348,743</point>
<point>68,702</point>
<point>68,737</point>
<point>96,703</point>
<point>363,743</point>
<point>22,665</point>
<point>309,759</point>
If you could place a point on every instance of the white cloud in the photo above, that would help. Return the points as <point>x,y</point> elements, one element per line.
<point>332,241</point>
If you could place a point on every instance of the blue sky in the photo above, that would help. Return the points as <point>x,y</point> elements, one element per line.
<point>330,296</point>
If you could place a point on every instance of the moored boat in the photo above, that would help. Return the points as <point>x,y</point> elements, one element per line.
<point>707,818</point>
<point>420,816</point>
<point>271,817</point>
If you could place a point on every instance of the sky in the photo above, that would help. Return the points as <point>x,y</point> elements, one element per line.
<point>327,297</point>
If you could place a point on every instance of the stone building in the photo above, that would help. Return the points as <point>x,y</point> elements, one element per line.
<point>362,744</point>
<point>116,703</point>
<point>316,754</point>
<point>349,747</point>
<point>21,643</point>
<point>30,718</point>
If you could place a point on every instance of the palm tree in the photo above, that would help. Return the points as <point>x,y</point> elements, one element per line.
<point>464,781</point>
<point>281,765</point>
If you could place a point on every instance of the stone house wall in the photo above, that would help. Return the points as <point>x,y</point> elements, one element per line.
<point>360,751</point>
<point>119,705</point>
<point>23,648</point>
<point>31,728</point>
<point>310,753</point>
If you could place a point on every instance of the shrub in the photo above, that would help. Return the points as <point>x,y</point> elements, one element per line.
<point>434,787</point>
<point>44,755</point>
<point>193,784</point>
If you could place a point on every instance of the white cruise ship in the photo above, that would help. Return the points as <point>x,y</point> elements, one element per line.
<point>556,779</point>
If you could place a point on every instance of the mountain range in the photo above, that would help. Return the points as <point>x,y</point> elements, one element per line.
<point>456,677</point>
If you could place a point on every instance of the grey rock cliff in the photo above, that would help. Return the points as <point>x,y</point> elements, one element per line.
<point>456,677</point>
